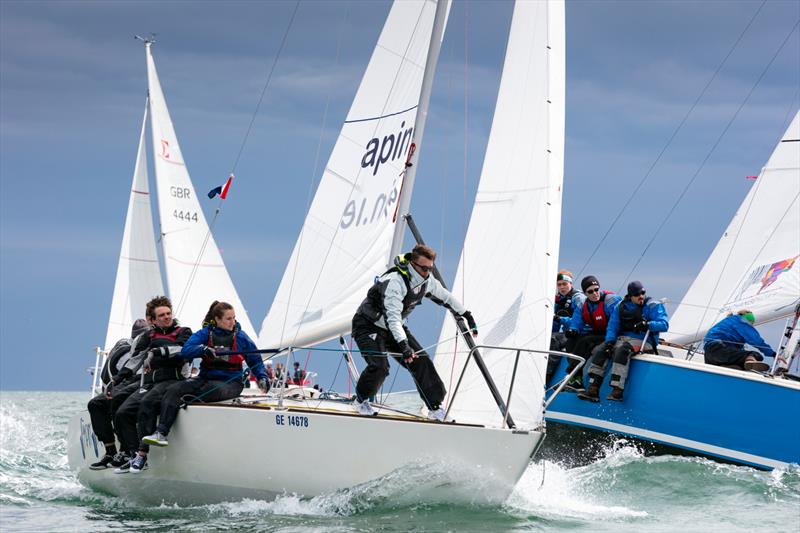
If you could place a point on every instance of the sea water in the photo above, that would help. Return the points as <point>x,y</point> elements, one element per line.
<point>622,491</point>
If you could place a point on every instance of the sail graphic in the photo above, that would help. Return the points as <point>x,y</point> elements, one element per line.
<point>756,263</point>
<point>195,273</point>
<point>345,239</point>
<point>138,273</point>
<point>508,265</point>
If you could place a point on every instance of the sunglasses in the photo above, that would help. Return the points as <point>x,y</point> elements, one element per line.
<point>423,268</point>
<point>592,291</point>
<point>642,293</point>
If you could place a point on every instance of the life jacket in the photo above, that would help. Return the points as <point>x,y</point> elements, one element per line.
<point>233,362</point>
<point>563,306</point>
<point>597,319</point>
<point>372,306</point>
<point>165,368</point>
<point>629,317</point>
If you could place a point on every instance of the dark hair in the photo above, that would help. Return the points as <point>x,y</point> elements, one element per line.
<point>421,250</point>
<point>217,310</point>
<point>158,301</point>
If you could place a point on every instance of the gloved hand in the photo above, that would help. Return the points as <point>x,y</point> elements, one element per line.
<point>609,346</point>
<point>263,385</point>
<point>572,333</point>
<point>641,327</point>
<point>471,323</point>
<point>408,353</point>
<point>161,351</point>
<point>107,389</point>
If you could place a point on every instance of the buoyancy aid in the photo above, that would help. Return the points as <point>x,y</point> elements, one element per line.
<point>630,315</point>
<point>372,306</point>
<point>597,319</point>
<point>563,305</point>
<point>166,368</point>
<point>227,340</point>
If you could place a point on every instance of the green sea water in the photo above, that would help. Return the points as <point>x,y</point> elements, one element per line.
<point>622,491</point>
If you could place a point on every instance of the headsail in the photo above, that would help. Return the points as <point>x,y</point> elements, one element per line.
<point>756,264</point>
<point>345,240</point>
<point>138,272</point>
<point>195,273</point>
<point>508,265</point>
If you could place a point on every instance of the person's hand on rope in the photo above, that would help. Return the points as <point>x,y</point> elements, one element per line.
<point>572,333</point>
<point>641,327</point>
<point>408,353</point>
<point>208,354</point>
<point>471,322</point>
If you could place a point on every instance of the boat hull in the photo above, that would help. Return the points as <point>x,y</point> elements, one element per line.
<point>735,416</point>
<point>225,452</point>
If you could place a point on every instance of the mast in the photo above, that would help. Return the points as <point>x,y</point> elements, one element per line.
<point>407,184</point>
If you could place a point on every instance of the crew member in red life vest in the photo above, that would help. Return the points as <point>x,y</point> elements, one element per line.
<point>220,378</point>
<point>161,369</point>
<point>587,329</point>
<point>636,317</point>
<point>567,299</point>
<point>299,375</point>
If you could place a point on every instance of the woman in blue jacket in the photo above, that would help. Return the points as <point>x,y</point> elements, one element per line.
<point>724,343</point>
<point>220,377</point>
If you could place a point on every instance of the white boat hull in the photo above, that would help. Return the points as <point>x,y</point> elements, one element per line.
<point>225,452</point>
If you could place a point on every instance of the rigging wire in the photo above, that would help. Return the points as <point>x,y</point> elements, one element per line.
<point>669,141</point>
<point>708,156</point>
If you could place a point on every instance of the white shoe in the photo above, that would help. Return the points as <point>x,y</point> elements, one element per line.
<point>363,408</point>
<point>438,414</point>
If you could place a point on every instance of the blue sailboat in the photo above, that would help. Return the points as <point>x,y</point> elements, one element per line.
<point>674,398</point>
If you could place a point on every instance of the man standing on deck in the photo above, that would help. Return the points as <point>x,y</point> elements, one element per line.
<point>635,318</point>
<point>379,329</point>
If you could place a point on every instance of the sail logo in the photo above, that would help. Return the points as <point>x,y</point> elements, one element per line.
<point>775,270</point>
<point>391,147</point>
<point>88,437</point>
<point>164,149</point>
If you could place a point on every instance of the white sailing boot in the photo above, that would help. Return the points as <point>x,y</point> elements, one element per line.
<point>438,414</point>
<point>363,408</point>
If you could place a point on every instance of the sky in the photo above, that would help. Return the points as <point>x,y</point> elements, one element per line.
<point>72,90</point>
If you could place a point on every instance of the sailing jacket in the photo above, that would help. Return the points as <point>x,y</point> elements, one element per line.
<point>593,317</point>
<point>734,332</point>
<point>628,313</point>
<point>397,292</point>
<point>228,367</point>
<point>564,308</point>
<point>165,366</point>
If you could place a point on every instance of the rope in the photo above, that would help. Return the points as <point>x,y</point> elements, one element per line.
<point>708,156</point>
<point>669,141</point>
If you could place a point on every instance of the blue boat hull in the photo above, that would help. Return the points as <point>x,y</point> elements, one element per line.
<point>736,416</point>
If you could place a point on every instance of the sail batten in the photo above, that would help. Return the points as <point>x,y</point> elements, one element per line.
<point>508,265</point>
<point>756,263</point>
<point>195,272</point>
<point>138,273</point>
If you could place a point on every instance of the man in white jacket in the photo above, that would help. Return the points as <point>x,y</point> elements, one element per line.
<point>379,329</point>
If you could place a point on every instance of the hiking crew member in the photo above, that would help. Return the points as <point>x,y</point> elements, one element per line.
<point>724,343</point>
<point>379,329</point>
<point>120,385</point>
<point>587,329</point>
<point>630,322</point>
<point>567,300</point>
<point>220,378</point>
<point>162,368</point>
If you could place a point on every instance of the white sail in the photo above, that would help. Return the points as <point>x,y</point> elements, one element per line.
<point>756,264</point>
<point>508,265</point>
<point>195,273</point>
<point>347,234</point>
<point>138,273</point>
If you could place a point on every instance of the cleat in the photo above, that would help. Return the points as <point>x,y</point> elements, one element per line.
<point>138,464</point>
<point>103,463</point>
<point>363,408</point>
<point>156,439</point>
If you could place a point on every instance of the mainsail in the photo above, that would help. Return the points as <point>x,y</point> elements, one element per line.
<point>138,273</point>
<point>347,234</point>
<point>508,264</point>
<point>756,264</point>
<point>195,273</point>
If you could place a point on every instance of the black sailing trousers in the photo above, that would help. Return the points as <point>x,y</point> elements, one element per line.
<point>206,390</point>
<point>102,411</point>
<point>373,339</point>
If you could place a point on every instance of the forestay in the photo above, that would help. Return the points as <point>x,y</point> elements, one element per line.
<point>138,272</point>
<point>507,271</point>
<point>345,239</point>
<point>756,264</point>
<point>195,273</point>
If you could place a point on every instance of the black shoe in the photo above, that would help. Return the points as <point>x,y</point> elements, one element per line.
<point>120,459</point>
<point>124,469</point>
<point>103,463</point>
<point>575,385</point>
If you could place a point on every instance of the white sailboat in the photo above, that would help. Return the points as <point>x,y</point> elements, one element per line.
<point>347,239</point>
